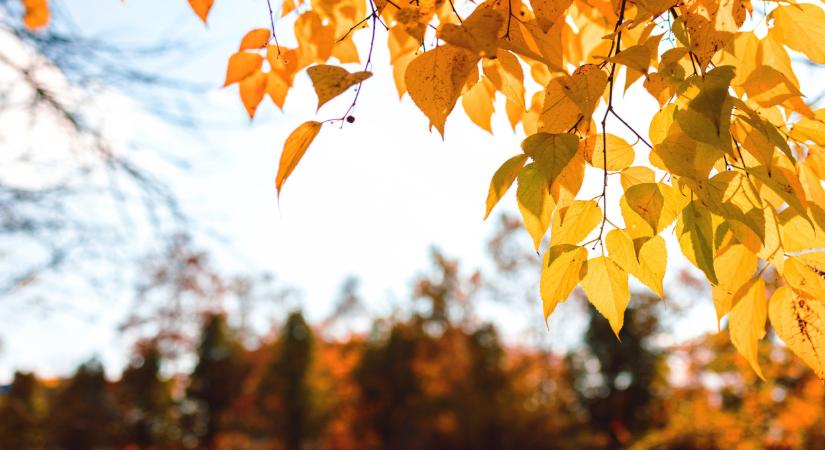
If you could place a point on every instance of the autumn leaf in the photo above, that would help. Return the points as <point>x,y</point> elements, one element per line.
<point>502,180</point>
<point>242,65</point>
<point>799,321</point>
<point>295,146</point>
<point>551,152</point>
<point>562,270</point>
<point>331,81</point>
<point>620,154</point>
<point>201,8</point>
<point>37,14</point>
<point>747,321</point>
<point>648,264</point>
<point>694,229</point>
<point>549,11</point>
<point>606,287</point>
<point>435,78</point>
<point>255,39</point>
<point>252,90</point>
<point>572,223</point>
<point>479,33</point>
<point>801,27</point>
<point>534,202</point>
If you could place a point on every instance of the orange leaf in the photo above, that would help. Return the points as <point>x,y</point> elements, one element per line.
<point>252,91</point>
<point>294,148</point>
<point>255,39</point>
<point>332,81</point>
<point>201,7</point>
<point>242,65</point>
<point>37,13</point>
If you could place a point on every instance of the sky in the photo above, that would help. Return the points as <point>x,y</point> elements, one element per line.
<point>367,200</point>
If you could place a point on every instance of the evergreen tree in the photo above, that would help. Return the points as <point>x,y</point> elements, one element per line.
<point>21,414</point>
<point>218,377</point>
<point>83,415</point>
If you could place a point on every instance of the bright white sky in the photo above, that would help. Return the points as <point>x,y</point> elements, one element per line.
<point>367,200</point>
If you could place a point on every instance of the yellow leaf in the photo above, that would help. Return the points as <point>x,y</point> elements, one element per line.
<point>802,28</point>
<point>650,264</point>
<point>573,223</point>
<point>769,87</point>
<point>636,57</point>
<point>201,8</point>
<point>605,285</point>
<point>585,87</point>
<point>711,24</point>
<point>735,266</point>
<point>708,96</point>
<point>654,203</point>
<point>252,90</point>
<point>800,322</point>
<point>551,152</point>
<point>255,39</point>
<point>478,104</point>
<point>503,179</point>
<point>242,65</point>
<point>620,153</point>
<point>507,76</point>
<point>295,146</point>
<point>694,229</point>
<point>806,273</point>
<point>37,14</point>
<point>435,79</point>
<point>732,196</point>
<point>782,180</point>
<point>747,321</point>
<point>637,175</point>
<point>798,233</point>
<point>810,129</point>
<point>549,11</point>
<point>479,33</point>
<point>332,81</point>
<point>534,202</point>
<point>561,271</point>
<point>559,112</point>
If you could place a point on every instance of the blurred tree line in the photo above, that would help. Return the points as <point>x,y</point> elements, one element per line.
<point>433,378</point>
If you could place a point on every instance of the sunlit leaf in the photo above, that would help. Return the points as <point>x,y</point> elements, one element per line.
<point>332,81</point>
<point>800,323</point>
<point>295,146</point>
<point>503,179</point>
<point>605,285</point>
<point>747,321</point>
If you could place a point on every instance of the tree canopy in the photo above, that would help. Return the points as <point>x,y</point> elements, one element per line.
<point>733,157</point>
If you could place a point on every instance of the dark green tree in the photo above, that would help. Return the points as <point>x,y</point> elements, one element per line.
<point>616,379</point>
<point>147,402</point>
<point>284,392</point>
<point>218,377</point>
<point>84,415</point>
<point>21,414</point>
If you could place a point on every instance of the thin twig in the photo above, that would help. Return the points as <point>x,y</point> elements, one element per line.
<point>272,23</point>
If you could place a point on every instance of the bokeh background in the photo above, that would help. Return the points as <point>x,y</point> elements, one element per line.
<point>155,293</point>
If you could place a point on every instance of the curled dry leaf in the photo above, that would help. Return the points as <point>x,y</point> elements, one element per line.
<point>294,148</point>
<point>331,81</point>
